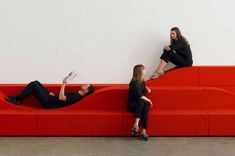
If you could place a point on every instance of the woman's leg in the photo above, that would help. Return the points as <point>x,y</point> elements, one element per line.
<point>144,120</point>
<point>163,63</point>
<point>136,124</point>
<point>144,116</point>
<point>143,109</point>
<point>161,66</point>
<point>177,60</point>
<point>135,107</point>
<point>164,60</point>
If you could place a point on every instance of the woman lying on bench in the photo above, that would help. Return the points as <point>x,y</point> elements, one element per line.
<point>49,100</point>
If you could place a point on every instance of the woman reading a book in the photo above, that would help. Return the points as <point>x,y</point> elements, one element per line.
<point>49,100</point>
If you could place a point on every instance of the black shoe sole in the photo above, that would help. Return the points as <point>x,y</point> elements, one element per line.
<point>11,101</point>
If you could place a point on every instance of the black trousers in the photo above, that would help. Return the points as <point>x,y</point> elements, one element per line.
<point>36,88</point>
<point>140,108</point>
<point>175,59</point>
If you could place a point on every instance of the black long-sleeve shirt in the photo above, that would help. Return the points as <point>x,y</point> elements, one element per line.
<point>136,91</point>
<point>182,48</point>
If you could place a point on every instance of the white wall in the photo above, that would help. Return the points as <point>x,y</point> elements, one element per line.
<point>103,39</point>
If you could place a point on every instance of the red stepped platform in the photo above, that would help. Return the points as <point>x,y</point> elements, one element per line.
<point>194,101</point>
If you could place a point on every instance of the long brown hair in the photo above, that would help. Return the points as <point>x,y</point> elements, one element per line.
<point>138,73</point>
<point>179,35</point>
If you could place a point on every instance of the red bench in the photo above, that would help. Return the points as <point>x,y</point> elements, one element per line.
<point>218,84</point>
<point>194,101</point>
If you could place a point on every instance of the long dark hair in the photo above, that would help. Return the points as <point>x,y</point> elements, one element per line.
<point>179,35</point>
<point>138,73</point>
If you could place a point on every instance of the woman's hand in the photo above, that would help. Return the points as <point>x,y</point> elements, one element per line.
<point>150,103</point>
<point>148,89</point>
<point>167,48</point>
<point>51,94</point>
<point>148,100</point>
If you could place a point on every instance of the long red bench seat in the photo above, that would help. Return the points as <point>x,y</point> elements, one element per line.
<point>194,101</point>
<point>104,113</point>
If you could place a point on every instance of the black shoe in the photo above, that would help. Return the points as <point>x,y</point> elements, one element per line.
<point>13,100</point>
<point>144,137</point>
<point>135,131</point>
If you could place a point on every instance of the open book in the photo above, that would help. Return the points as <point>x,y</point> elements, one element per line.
<point>71,76</point>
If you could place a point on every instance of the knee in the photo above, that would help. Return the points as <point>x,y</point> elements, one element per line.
<point>165,56</point>
<point>165,51</point>
<point>32,83</point>
<point>36,81</point>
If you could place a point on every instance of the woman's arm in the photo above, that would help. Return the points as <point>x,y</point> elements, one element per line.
<point>62,95</point>
<point>178,45</point>
<point>135,88</point>
<point>167,48</point>
<point>148,90</point>
<point>148,100</point>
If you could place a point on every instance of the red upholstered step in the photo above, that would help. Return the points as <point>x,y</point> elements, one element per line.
<point>106,108</point>
<point>217,98</point>
<point>173,123</point>
<point>111,122</point>
<point>221,122</point>
<point>220,106</point>
<point>17,123</point>
<point>193,101</point>
<point>217,76</point>
<point>177,77</point>
<point>177,98</point>
<point>80,123</point>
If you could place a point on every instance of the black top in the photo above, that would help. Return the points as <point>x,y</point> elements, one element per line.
<point>71,97</point>
<point>136,90</point>
<point>182,48</point>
